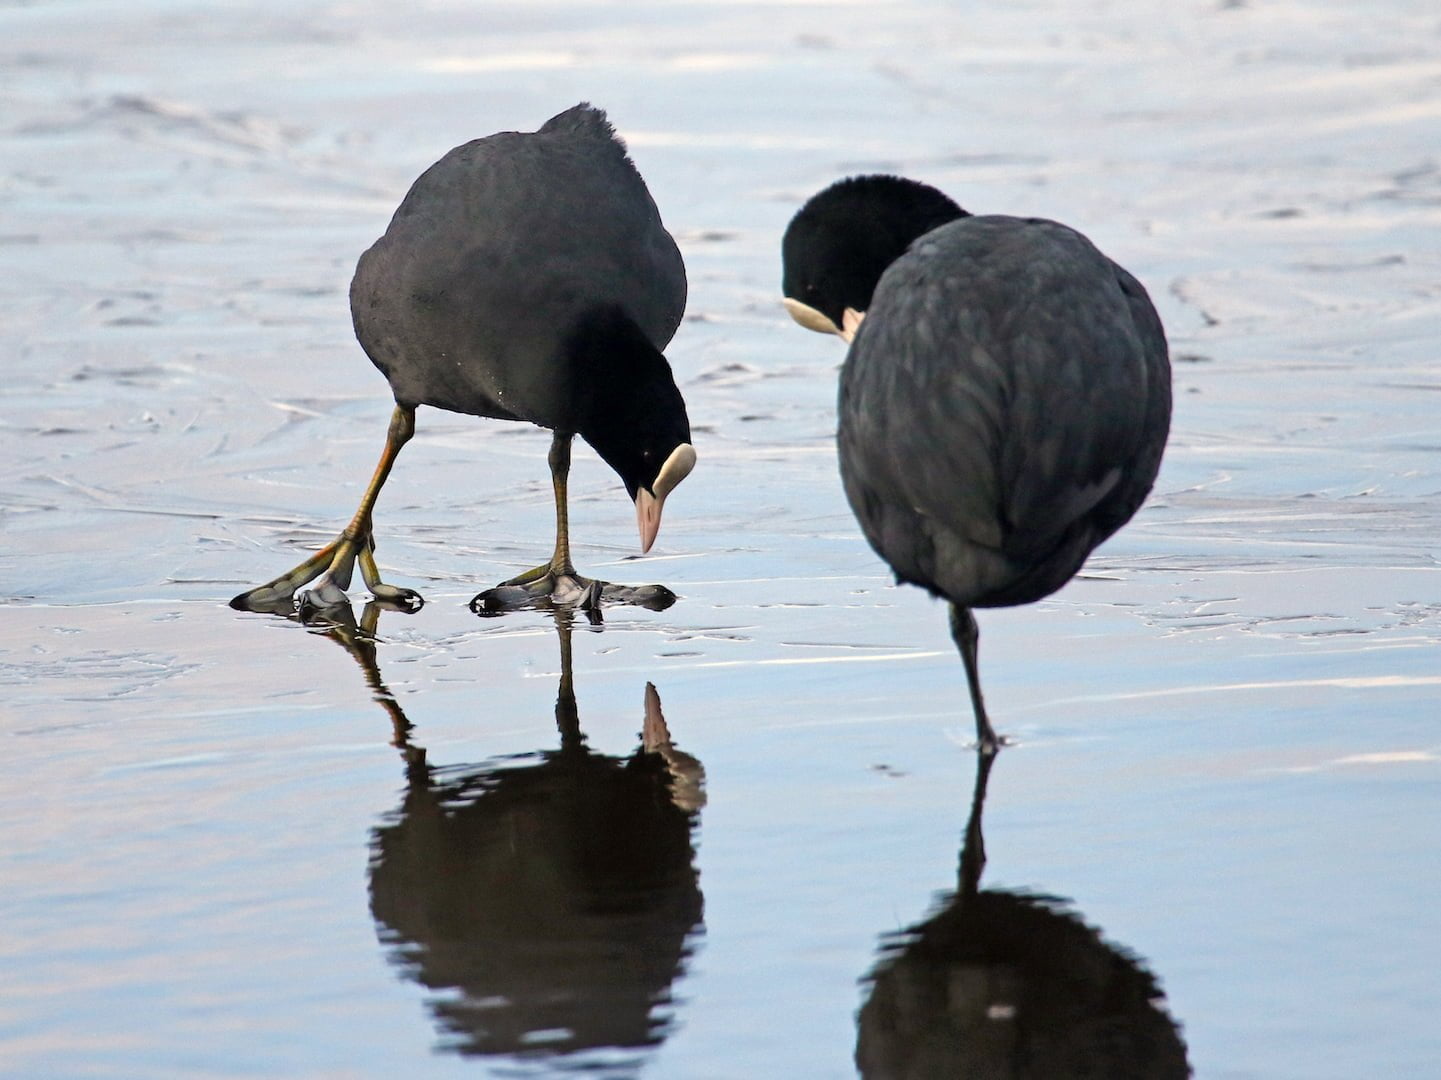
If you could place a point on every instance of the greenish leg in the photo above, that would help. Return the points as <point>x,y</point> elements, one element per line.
<point>967,636</point>
<point>334,564</point>
<point>560,563</point>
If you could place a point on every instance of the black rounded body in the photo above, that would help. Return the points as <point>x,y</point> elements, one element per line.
<point>1003,408</point>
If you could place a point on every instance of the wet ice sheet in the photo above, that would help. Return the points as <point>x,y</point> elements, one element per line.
<point>1227,753</point>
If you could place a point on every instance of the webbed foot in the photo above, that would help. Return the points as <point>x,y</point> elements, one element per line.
<point>547,588</point>
<point>330,569</point>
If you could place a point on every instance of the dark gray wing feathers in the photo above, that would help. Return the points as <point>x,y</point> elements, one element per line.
<point>1002,391</point>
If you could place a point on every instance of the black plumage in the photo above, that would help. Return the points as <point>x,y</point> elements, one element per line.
<point>1004,404</point>
<point>525,276</point>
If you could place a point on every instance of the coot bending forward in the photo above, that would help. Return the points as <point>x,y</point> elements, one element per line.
<point>525,276</point>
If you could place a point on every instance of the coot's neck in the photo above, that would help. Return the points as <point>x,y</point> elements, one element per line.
<point>625,400</point>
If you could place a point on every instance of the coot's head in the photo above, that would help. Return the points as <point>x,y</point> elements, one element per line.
<point>840,242</point>
<point>650,461</point>
<point>632,414</point>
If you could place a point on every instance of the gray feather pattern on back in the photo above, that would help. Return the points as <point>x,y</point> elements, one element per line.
<point>1003,384</point>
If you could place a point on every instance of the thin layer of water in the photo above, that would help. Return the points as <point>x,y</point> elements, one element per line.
<point>1226,751</point>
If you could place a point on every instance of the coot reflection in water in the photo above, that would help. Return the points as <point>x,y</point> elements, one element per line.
<point>550,898</point>
<point>1010,985</point>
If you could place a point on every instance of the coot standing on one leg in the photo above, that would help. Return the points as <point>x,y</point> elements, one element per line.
<point>1006,398</point>
<point>525,276</point>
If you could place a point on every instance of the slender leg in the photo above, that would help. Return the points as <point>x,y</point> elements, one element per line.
<point>334,564</point>
<point>560,565</point>
<point>967,636</point>
<point>559,459</point>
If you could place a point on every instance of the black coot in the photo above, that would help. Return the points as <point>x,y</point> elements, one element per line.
<point>1006,398</point>
<point>525,276</point>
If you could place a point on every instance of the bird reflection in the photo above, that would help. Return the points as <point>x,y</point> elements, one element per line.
<point>550,899</point>
<point>1007,985</point>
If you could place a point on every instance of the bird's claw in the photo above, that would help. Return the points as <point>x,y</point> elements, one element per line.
<point>395,598</point>
<point>266,600</point>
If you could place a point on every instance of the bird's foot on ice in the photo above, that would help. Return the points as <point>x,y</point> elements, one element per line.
<point>326,594</point>
<point>321,597</point>
<point>330,569</point>
<point>551,589</point>
<point>540,588</point>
